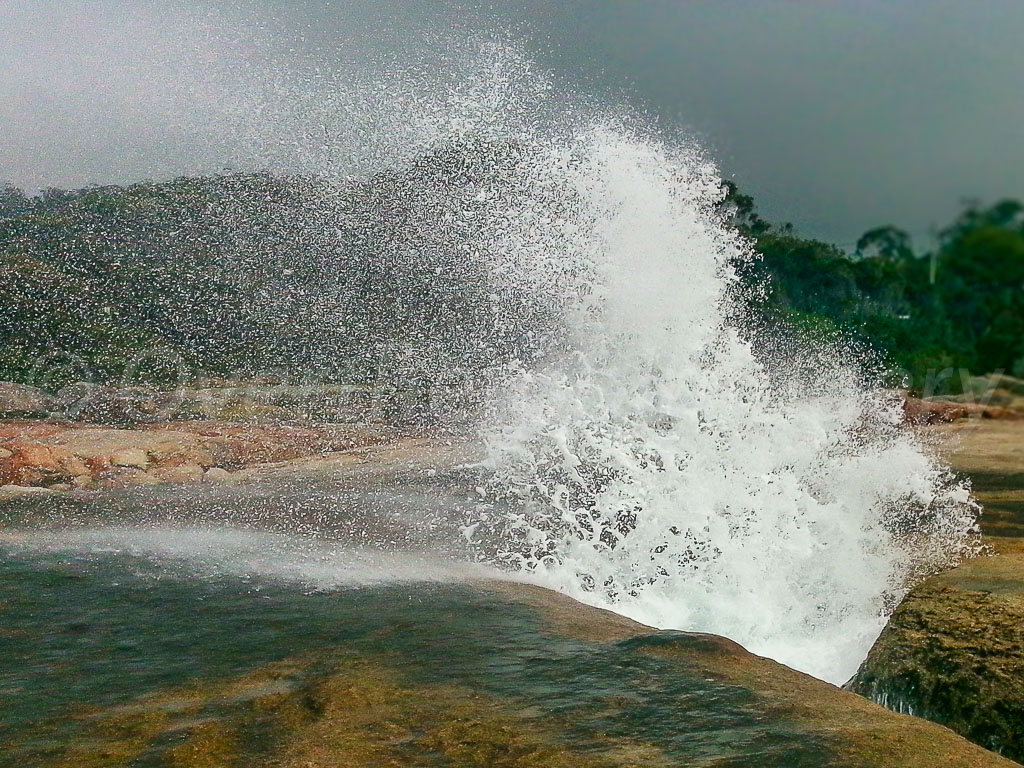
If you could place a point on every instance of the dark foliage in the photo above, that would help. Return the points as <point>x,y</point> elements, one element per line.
<point>960,305</point>
<point>245,274</point>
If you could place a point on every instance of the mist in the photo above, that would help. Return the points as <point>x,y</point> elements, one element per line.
<point>836,117</point>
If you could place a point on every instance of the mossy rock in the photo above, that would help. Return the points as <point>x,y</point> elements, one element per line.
<point>953,652</point>
<point>504,676</point>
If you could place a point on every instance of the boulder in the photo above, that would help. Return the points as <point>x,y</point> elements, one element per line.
<point>130,457</point>
<point>178,473</point>
<point>126,477</point>
<point>21,401</point>
<point>39,464</point>
<point>219,475</point>
<point>46,458</point>
<point>953,652</point>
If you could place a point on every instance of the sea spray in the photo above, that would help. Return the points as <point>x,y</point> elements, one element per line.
<point>650,449</point>
<point>656,464</point>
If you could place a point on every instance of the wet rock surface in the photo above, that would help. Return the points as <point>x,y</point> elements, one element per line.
<point>953,651</point>
<point>475,675</point>
<point>478,674</point>
<point>991,453</point>
<point>68,456</point>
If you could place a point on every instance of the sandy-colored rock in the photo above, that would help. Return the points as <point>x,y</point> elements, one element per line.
<point>11,491</point>
<point>173,450</point>
<point>991,453</point>
<point>178,473</point>
<point>38,464</point>
<point>60,452</point>
<point>219,475</point>
<point>83,481</point>
<point>143,478</point>
<point>126,477</point>
<point>5,454</point>
<point>76,467</point>
<point>98,464</point>
<point>130,457</point>
<point>918,411</point>
<point>29,476</point>
<point>45,458</point>
<point>467,677</point>
<point>953,651</point>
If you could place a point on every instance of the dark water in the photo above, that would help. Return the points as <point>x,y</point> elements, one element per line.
<point>87,632</point>
<point>107,598</point>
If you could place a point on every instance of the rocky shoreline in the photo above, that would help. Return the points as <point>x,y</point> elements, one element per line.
<point>99,438</point>
<point>53,457</point>
<point>953,651</point>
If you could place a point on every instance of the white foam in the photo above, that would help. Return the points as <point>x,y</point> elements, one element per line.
<point>661,468</point>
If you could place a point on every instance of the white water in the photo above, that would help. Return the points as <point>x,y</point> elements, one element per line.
<point>657,467</point>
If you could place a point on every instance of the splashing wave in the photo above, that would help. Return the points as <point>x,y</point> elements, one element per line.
<point>652,459</point>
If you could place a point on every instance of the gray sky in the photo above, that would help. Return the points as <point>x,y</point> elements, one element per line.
<point>837,116</point>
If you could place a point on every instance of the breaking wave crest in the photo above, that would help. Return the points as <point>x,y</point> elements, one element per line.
<point>651,453</point>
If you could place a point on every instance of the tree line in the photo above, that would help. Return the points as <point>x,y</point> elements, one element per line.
<point>959,304</point>
<point>242,274</point>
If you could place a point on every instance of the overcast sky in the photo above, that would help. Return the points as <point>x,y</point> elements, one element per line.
<point>837,116</point>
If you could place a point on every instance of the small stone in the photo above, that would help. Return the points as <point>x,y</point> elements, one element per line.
<point>130,457</point>
<point>218,475</point>
<point>11,491</point>
<point>143,478</point>
<point>5,454</point>
<point>82,481</point>
<point>75,467</point>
